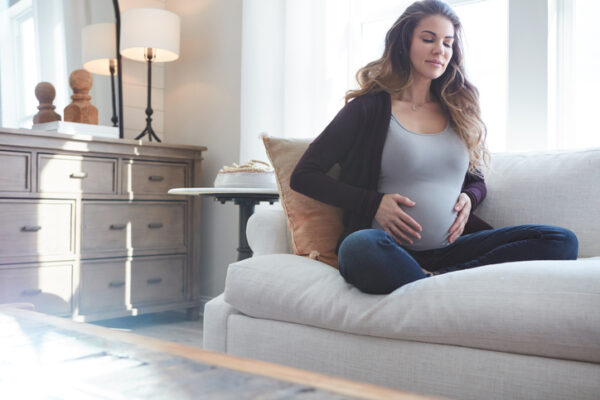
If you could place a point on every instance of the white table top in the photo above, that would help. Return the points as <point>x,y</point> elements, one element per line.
<point>215,191</point>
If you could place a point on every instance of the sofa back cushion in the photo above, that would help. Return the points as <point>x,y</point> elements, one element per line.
<point>315,227</point>
<point>553,188</point>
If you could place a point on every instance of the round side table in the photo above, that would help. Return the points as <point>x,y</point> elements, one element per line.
<point>245,198</point>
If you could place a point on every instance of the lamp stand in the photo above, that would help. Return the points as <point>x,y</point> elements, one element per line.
<point>148,130</point>
<point>112,68</point>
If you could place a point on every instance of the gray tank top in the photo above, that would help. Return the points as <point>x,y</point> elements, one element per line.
<point>429,169</point>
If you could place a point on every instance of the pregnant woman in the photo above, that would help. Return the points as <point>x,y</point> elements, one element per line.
<point>411,144</point>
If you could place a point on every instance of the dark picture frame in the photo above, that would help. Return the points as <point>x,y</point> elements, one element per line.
<point>119,66</point>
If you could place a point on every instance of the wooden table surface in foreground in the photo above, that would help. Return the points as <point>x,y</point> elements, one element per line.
<point>42,356</point>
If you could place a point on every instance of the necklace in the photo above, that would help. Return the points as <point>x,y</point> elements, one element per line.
<point>415,107</point>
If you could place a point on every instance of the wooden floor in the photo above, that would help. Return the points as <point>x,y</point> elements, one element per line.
<point>169,325</point>
<point>48,357</point>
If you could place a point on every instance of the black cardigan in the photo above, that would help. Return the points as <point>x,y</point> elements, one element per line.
<point>354,139</point>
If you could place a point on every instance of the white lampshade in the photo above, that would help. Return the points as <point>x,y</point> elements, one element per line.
<point>143,28</point>
<point>99,42</point>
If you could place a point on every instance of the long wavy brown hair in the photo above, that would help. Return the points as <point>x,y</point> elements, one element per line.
<point>392,73</point>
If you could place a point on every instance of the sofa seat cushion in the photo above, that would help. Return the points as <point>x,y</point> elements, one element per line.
<point>544,308</point>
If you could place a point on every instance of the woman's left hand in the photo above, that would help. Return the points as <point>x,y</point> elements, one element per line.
<point>463,208</point>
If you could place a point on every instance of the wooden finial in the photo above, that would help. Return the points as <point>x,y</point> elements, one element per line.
<point>45,93</point>
<point>80,109</point>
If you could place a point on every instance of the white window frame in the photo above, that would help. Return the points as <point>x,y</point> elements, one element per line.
<point>49,23</point>
<point>11,54</point>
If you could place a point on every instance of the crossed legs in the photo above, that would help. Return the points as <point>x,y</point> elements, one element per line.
<point>372,261</point>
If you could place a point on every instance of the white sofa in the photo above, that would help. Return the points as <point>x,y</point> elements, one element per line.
<point>522,330</point>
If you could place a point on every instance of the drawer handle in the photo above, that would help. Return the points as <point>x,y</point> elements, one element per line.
<point>118,227</point>
<point>78,175</point>
<point>31,292</point>
<point>156,178</point>
<point>31,228</point>
<point>155,225</point>
<point>154,281</point>
<point>115,284</point>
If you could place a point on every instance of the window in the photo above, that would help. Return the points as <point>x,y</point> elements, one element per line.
<point>573,74</point>
<point>32,49</point>
<point>530,60</point>
<point>20,68</point>
<point>485,24</point>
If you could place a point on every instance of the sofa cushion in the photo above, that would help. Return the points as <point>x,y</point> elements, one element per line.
<point>315,227</point>
<point>544,308</point>
<point>554,188</point>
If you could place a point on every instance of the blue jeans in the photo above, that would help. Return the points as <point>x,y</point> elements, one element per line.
<point>372,261</point>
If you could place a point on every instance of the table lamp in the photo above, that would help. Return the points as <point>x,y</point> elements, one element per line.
<point>100,55</point>
<point>151,35</point>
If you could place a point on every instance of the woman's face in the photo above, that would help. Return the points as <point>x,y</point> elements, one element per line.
<point>431,47</point>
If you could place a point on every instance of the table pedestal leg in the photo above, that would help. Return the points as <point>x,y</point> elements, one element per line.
<point>246,210</point>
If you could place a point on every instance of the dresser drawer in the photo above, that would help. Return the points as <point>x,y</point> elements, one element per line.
<point>60,173</point>
<point>145,177</point>
<point>14,171</point>
<point>142,226</point>
<point>104,285</point>
<point>47,288</point>
<point>112,285</point>
<point>157,280</point>
<point>33,228</point>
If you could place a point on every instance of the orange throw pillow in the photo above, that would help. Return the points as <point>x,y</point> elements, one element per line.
<point>315,227</point>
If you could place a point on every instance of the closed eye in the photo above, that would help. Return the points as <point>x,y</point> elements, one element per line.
<point>431,41</point>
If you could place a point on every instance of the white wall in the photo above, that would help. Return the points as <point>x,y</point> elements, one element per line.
<point>202,107</point>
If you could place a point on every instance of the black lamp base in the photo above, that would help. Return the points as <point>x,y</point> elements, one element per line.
<point>148,130</point>
<point>112,69</point>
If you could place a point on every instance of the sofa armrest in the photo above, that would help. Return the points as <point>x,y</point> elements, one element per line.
<point>268,233</point>
<point>216,314</point>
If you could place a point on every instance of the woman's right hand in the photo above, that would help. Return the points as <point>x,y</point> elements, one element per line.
<point>395,221</point>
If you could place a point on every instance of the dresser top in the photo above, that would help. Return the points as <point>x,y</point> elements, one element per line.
<point>54,140</point>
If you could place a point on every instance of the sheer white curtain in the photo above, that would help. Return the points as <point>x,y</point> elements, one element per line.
<point>299,57</point>
<point>294,68</point>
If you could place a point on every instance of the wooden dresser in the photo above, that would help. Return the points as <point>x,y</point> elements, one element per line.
<point>87,227</point>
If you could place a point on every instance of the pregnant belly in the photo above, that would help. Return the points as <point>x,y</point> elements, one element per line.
<point>434,211</point>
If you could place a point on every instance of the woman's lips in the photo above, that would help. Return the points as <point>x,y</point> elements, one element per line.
<point>435,63</point>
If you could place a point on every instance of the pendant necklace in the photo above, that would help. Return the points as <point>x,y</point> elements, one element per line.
<point>415,107</point>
